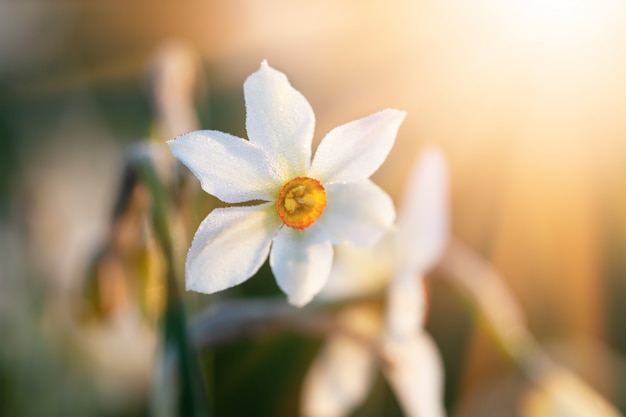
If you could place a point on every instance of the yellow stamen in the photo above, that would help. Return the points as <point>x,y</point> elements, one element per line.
<point>301,202</point>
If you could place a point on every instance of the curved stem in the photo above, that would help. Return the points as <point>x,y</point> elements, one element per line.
<point>228,321</point>
<point>487,289</point>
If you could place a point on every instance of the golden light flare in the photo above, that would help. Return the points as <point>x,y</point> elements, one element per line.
<point>549,21</point>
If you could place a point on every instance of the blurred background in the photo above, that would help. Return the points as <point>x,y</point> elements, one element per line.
<point>526,98</point>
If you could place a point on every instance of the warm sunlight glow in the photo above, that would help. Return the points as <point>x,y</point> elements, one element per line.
<point>555,23</point>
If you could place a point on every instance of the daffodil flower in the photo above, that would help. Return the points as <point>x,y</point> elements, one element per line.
<point>341,376</point>
<point>306,204</point>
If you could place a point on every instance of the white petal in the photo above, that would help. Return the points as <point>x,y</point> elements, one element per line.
<point>416,377</point>
<point>301,264</point>
<point>280,120</point>
<point>356,213</point>
<point>423,217</point>
<point>406,305</point>
<point>230,168</point>
<point>342,375</point>
<point>230,245</point>
<point>354,151</point>
<point>360,271</point>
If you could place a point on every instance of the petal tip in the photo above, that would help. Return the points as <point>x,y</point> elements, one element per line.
<point>192,285</point>
<point>433,152</point>
<point>400,115</point>
<point>175,142</point>
<point>299,301</point>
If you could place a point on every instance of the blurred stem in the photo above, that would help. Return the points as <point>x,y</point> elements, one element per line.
<point>228,321</point>
<point>488,293</point>
<point>507,323</point>
<point>193,395</point>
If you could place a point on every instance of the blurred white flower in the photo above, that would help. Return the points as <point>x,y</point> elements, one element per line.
<point>324,201</point>
<point>340,378</point>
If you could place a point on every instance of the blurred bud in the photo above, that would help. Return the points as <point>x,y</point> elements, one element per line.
<point>175,80</point>
<point>130,267</point>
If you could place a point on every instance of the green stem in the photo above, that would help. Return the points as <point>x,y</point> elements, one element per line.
<point>193,401</point>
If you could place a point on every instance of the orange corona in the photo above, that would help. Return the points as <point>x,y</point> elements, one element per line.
<point>301,202</point>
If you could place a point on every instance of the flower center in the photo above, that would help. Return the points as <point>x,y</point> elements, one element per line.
<point>301,202</point>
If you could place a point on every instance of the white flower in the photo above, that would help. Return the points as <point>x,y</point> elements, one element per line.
<point>341,376</point>
<point>324,201</point>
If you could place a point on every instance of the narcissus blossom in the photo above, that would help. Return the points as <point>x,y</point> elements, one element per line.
<point>342,375</point>
<point>301,206</point>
